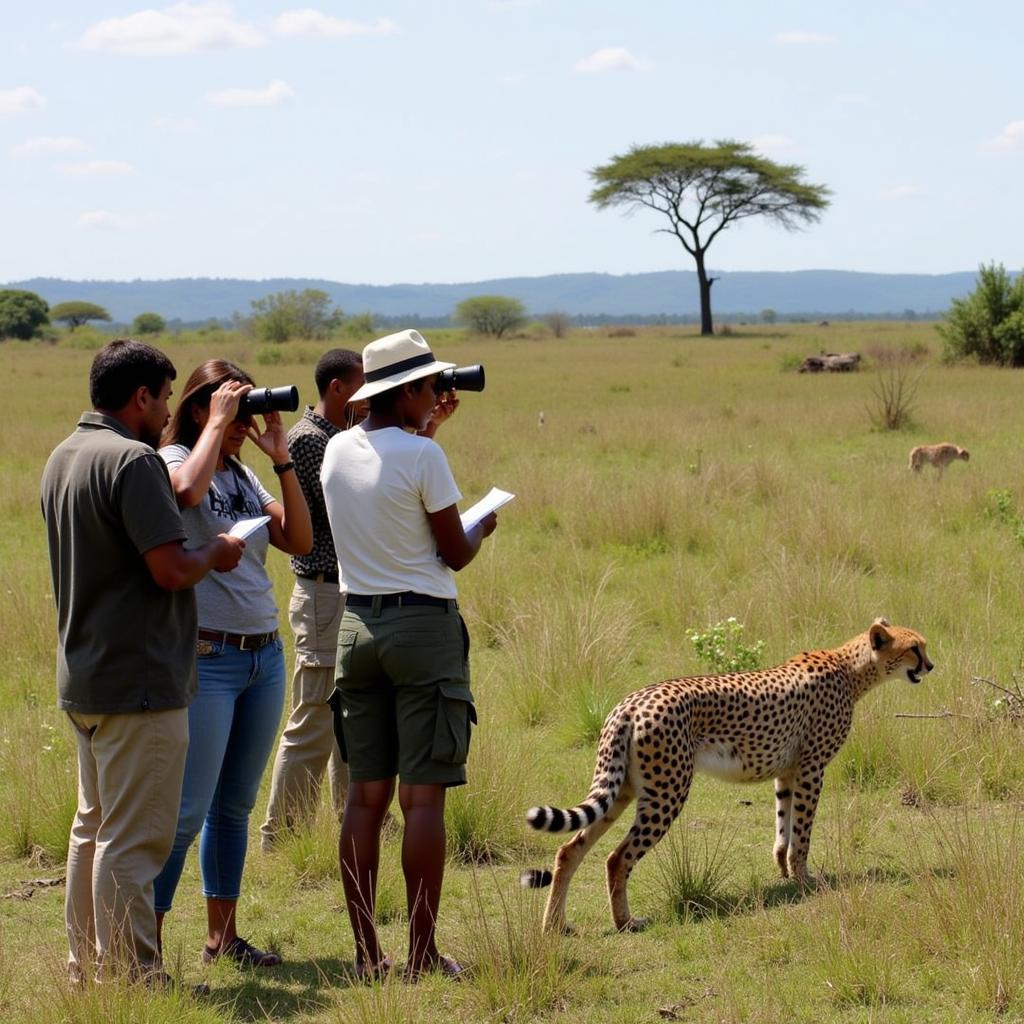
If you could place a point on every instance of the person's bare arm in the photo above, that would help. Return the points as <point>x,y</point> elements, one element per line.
<point>175,568</point>
<point>458,547</point>
<point>291,528</point>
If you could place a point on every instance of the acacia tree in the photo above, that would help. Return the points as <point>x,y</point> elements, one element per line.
<point>76,313</point>
<point>702,190</point>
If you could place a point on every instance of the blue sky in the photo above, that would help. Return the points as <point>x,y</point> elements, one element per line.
<point>450,141</point>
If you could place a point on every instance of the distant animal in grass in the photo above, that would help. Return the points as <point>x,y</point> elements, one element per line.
<point>937,455</point>
<point>784,723</point>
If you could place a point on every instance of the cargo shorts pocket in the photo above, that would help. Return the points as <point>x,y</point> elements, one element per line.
<point>456,717</point>
<point>343,668</point>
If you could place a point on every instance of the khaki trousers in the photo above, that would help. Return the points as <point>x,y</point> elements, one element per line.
<point>130,768</point>
<point>308,745</point>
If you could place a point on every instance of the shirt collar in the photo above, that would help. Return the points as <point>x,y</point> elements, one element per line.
<point>321,422</point>
<point>101,421</point>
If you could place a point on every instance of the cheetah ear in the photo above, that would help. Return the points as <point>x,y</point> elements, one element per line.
<point>879,635</point>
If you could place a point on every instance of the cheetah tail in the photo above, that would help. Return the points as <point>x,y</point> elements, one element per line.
<point>535,878</point>
<point>554,819</point>
<point>602,796</point>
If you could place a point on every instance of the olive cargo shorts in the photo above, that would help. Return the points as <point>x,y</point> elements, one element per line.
<point>403,704</point>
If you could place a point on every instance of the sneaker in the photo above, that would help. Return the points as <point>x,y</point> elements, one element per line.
<point>243,953</point>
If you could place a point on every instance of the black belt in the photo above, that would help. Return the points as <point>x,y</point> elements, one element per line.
<point>402,600</point>
<point>243,641</point>
<point>319,577</point>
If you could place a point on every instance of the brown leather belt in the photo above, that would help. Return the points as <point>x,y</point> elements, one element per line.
<point>243,641</point>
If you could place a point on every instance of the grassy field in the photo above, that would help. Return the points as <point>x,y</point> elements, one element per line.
<point>675,482</point>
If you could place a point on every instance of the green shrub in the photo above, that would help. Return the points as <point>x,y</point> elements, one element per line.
<point>989,323</point>
<point>721,648</point>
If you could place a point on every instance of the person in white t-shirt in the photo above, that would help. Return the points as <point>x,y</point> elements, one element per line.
<point>403,706</point>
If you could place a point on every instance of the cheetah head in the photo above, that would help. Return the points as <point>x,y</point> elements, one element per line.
<point>963,453</point>
<point>898,651</point>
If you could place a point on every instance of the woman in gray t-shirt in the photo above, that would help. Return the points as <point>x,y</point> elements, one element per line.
<point>233,720</point>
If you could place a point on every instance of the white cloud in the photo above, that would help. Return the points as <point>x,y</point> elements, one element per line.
<point>276,92</point>
<point>512,79</point>
<point>48,145</point>
<point>98,169</point>
<point>851,98</point>
<point>310,22</point>
<point>20,99</point>
<point>900,192</point>
<point>611,58</point>
<point>772,143</point>
<point>804,38</point>
<point>105,220</point>
<point>1011,136</point>
<point>176,125</point>
<point>180,28</point>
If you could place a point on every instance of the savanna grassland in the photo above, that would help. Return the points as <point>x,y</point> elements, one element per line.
<point>675,482</point>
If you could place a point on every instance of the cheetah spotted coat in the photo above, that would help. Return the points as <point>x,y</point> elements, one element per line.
<point>784,723</point>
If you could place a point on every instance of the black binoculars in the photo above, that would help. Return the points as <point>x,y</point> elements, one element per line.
<point>461,378</point>
<point>264,400</point>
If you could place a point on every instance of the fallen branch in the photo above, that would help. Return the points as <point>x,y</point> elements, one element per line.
<point>937,714</point>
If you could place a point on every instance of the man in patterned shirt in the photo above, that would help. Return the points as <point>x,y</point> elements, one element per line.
<point>308,743</point>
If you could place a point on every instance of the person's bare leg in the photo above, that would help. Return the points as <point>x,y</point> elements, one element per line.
<point>359,856</point>
<point>423,856</point>
<point>220,923</point>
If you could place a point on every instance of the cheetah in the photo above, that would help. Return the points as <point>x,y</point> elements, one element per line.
<point>939,455</point>
<point>784,723</point>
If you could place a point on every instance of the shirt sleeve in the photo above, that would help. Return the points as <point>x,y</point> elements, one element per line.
<point>174,454</point>
<point>307,452</point>
<point>149,511</point>
<point>437,485</point>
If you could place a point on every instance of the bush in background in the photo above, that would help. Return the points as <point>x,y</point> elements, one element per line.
<point>149,323</point>
<point>22,314</point>
<point>989,323</point>
<point>493,315</point>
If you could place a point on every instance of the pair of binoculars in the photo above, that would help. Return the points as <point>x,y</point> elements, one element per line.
<point>461,378</point>
<point>263,400</point>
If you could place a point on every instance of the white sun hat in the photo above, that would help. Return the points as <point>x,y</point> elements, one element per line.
<point>394,360</point>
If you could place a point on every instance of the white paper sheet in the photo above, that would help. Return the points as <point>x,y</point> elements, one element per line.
<point>490,502</point>
<point>246,527</point>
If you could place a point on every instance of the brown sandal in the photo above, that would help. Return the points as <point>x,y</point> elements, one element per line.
<point>370,973</point>
<point>446,966</point>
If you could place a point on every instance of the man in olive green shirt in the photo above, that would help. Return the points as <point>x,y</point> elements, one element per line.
<point>126,624</point>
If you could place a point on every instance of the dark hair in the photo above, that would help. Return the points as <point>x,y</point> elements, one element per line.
<point>201,384</point>
<point>384,401</point>
<point>337,363</point>
<point>124,366</point>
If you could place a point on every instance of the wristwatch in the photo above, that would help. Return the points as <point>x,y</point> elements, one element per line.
<point>284,467</point>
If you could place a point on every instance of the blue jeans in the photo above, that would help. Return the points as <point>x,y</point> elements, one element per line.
<point>232,725</point>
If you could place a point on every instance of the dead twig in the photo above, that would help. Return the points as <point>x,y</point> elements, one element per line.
<point>937,714</point>
<point>1013,700</point>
